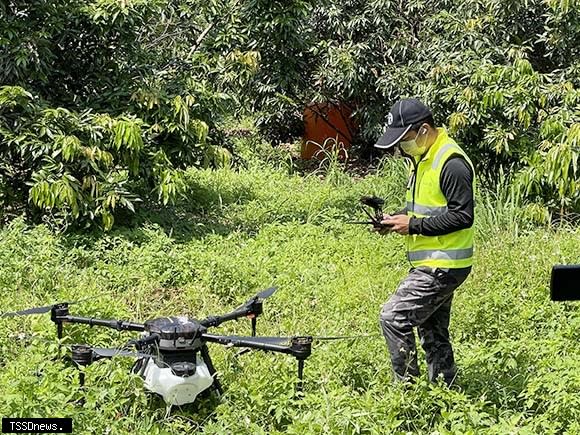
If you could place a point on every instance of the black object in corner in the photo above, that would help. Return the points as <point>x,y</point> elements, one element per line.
<point>565,283</point>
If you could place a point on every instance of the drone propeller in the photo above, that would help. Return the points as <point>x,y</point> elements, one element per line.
<point>284,341</point>
<point>250,309</point>
<point>83,355</point>
<point>291,342</point>
<point>276,341</point>
<point>41,310</point>
<point>258,298</point>
<point>103,352</point>
<point>255,304</point>
<point>100,352</point>
<point>299,347</point>
<point>36,310</point>
<point>267,293</point>
<point>344,337</point>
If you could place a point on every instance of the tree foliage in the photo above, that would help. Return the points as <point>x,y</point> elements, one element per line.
<point>113,98</point>
<point>503,76</point>
<point>103,102</point>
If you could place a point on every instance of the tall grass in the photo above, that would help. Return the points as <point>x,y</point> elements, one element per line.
<point>241,231</point>
<point>502,209</point>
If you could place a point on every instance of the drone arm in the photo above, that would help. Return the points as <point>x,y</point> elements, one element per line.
<point>218,320</point>
<point>119,325</point>
<point>299,347</point>
<point>240,342</point>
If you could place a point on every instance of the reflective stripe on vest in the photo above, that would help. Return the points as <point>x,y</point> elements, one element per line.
<point>426,210</point>
<point>451,254</point>
<point>441,153</point>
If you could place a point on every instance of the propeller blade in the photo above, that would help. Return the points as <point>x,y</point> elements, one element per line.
<point>259,297</point>
<point>266,293</point>
<point>111,352</point>
<point>279,341</point>
<point>345,337</point>
<point>99,351</point>
<point>284,341</point>
<point>36,310</point>
<point>42,310</point>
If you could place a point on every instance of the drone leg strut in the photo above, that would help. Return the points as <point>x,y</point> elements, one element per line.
<point>300,385</point>
<point>81,401</point>
<point>216,383</point>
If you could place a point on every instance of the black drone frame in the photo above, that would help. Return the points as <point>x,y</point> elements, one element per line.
<point>299,347</point>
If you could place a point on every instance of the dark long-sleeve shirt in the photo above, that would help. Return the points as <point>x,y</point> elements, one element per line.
<point>457,185</point>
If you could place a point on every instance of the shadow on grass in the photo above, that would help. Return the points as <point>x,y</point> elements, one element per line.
<point>216,215</point>
<point>186,220</point>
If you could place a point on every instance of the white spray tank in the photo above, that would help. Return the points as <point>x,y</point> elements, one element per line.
<point>179,384</point>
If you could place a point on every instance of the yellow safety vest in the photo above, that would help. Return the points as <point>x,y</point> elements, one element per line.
<point>425,199</point>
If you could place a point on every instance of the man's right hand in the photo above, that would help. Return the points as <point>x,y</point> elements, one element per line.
<point>398,223</point>
<point>383,229</point>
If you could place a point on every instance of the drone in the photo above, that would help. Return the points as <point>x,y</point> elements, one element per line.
<point>172,354</point>
<point>375,214</point>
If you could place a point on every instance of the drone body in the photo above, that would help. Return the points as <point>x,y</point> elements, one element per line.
<point>178,372</point>
<point>172,354</point>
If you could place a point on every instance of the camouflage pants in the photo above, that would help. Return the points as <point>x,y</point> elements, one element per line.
<point>422,300</point>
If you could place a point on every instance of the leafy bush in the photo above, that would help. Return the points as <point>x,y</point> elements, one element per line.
<point>501,75</point>
<point>104,103</point>
<point>78,165</point>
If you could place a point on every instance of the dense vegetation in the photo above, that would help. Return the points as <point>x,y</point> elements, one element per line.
<point>103,104</point>
<point>247,230</point>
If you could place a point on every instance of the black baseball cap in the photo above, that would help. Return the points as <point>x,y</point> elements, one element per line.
<point>400,119</point>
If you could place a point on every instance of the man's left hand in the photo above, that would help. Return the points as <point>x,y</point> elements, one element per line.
<point>399,223</point>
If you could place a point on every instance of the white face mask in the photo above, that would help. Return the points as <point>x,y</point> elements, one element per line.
<point>411,147</point>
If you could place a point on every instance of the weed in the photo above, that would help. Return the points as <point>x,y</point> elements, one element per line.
<point>239,231</point>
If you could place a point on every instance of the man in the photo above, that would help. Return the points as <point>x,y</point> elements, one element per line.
<point>438,225</point>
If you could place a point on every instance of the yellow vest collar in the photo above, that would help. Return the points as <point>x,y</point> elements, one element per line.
<point>442,139</point>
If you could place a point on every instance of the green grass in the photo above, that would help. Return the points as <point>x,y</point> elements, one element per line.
<point>239,232</point>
